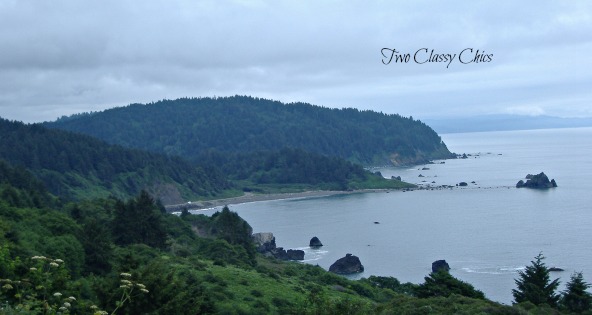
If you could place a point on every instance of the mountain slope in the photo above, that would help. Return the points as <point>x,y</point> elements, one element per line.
<point>189,126</point>
<point>76,166</point>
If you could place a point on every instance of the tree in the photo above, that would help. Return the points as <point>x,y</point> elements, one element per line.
<point>139,221</point>
<point>576,299</point>
<point>442,283</point>
<point>535,285</point>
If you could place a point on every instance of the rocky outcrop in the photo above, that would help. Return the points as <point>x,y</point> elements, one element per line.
<point>315,242</point>
<point>290,254</point>
<point>265,242</point>
<point>539,181</point>
<point>440,265</point>
<point>463,184</point>
<point>347,265</point>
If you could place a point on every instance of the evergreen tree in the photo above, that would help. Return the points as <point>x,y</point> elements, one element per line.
<point>443,284</point>
<point>139,221</point>
<point>535,285</point>
<point>576,299</point>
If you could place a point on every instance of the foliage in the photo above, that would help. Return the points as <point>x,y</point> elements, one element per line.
<point>575,298</point>
<point>248,124</point>
<point>204,266</point>
<point>139,221</point>
<point>76,166</point>
<point>443,284</point>
<point>534,284</point>
<point>290,166</point>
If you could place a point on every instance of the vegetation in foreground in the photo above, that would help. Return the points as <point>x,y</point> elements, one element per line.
<point>109,256</point>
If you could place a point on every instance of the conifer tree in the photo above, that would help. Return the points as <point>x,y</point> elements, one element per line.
<point>535,285</point>
<point>576,299</point>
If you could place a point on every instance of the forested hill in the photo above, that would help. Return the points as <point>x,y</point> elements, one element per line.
<point>190,126</point>
<point>76,166</point>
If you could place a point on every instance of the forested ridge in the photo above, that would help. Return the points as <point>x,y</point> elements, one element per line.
<point>75,166</point>
<point>189,126</point>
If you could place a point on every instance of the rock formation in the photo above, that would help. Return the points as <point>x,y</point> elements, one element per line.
<point>315,242</point>
<point>440,265</point>
<point>266,245</point>
<point>290,254</point>
<point>347,265</point>
<point>265,242</point>
<point>539,181</point>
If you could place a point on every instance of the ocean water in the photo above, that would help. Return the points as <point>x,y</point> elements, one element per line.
<point>487,231</point>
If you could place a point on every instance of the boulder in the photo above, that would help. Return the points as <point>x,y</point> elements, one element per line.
<point>315,242</point>
<point>440,265</point>
<point>463,184</point>
<point>539,181</point>
<point>347,265</point>
<point>265,242</point>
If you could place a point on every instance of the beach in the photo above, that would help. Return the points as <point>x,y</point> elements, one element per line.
<point>253,197</point>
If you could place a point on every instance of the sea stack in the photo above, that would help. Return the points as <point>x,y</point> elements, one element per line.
<point>347,265</point>
<point>315,242</point>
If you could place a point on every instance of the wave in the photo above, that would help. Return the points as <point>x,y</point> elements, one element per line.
<point>311,254</point>
<point>494,270</point>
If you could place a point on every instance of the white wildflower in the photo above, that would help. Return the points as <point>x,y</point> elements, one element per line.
<point>53,264</point>
<point>144,290</point>
<point>57,294</point>
<point>125,275</point>
<point>66,304</point>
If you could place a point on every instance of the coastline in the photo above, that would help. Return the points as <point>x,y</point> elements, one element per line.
<point>252,197</point>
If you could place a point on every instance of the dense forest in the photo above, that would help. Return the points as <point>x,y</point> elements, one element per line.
<point>75,166</point>
<point>265,170</point>
<point>113,256</point>
<point>189,126</point>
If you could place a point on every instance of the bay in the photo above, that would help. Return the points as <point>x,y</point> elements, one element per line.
<point>487,231</point>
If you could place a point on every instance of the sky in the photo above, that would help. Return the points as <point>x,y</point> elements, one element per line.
<point>64,57</point>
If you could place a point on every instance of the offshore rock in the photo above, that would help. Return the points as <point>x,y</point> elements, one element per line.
<point>440,265</point>
<point>539,181</point>
<point>347,265</point>
<point>315,242</point>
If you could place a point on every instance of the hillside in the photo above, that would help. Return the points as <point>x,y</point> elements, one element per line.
<point>189,126</point>
<point>76,166</point>
<point>128,257</point>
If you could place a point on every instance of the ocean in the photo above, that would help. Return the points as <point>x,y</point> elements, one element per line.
<point>486,231</point>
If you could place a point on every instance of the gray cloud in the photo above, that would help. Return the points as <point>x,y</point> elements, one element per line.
<point>64,57</point>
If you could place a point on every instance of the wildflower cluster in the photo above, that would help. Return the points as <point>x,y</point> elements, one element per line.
<point>39,291</point>
<point>130,289</point>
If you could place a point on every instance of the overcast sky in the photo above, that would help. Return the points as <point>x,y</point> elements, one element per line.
<point>64,57</point>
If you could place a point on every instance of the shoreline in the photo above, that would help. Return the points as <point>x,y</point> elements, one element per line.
<point>252,197</point>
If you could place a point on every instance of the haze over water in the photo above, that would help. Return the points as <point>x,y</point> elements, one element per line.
<point>486,231</point>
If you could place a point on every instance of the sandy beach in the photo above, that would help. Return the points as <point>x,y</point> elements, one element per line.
<point>252,197</point>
